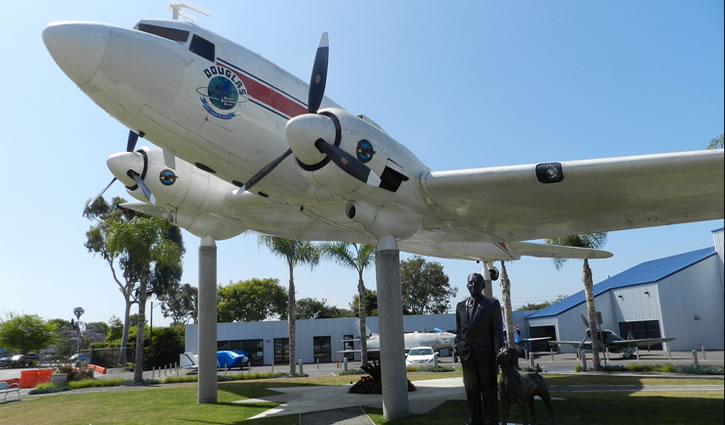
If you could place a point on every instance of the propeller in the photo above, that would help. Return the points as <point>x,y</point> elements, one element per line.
<point>130,147</point>
<point>315,94</point>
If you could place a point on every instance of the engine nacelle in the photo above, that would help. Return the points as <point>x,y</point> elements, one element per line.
<point>185,195</point>
<point>387,220</point>
<point>357,136</point>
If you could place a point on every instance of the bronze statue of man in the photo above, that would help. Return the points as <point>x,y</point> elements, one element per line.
<point>479,336</point>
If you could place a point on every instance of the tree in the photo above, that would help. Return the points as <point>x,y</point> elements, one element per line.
<point>539,306</point>
<point>97,243</point>
<point>425,287</point>
<point>507,312</point>
<point>142,245</point>
<point>371,303</point>
<point>716,143</point>
<point>78,312</point>
<point>250,300</point>
<point>357,258</point>
<point>180,303</point>
<point>166,344</point>
<point>592,241</point>
<point>312,308</point>
<point>26,333</point>
<point>294,252</point>
<point>115,329</point>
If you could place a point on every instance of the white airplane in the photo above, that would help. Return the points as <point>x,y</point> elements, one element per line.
<point>246,145</point>
<point>436,340</point>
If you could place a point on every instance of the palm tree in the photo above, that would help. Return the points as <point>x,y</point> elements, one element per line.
<point>592,241</point>
<point>363,256</point>
<point>507,311</point>
<point>294,252</point>
<point>716,143</point>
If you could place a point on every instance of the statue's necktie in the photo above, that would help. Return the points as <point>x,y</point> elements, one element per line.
<point>471,309</point>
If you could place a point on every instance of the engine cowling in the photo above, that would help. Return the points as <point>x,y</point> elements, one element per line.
<point>185,195</point>
<point>387,220</point>
<point>353,134</point>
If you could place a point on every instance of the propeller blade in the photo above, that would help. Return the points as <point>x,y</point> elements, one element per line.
<point>319,75</point>
<point>93,201</point>
<point>146,191</point>
<point>132,139</point>
<point>584,319</point>
<point>348,163</point>
<point>264,171</point>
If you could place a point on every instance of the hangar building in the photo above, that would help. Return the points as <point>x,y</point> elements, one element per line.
<point>679,296</point>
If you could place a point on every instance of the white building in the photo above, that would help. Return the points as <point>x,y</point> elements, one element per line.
<point>679,296</point>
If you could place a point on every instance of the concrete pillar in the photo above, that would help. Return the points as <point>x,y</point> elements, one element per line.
<point>532,362</point>
<point>207,390</point>
<point>302,369</point>
<point>344,364</point>
<point>488,290</point>
<point>390,319</point>
<point>702,347</point>
<point>636,352</point>
<point>694,359</point>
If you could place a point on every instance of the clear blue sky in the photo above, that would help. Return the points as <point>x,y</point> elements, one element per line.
<point>462,84</point>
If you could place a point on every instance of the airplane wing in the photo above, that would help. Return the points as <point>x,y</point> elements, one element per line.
<point>639,342</point>
<point>542,338</point>
<point>511,204</point>
<point>571,343</point>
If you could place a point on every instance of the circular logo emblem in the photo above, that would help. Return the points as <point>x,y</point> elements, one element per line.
<point>167,177</point>
<point>364,150</point>
<point>222,93</point>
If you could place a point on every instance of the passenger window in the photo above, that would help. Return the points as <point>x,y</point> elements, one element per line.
<point>170,33</point>
<point>202,47</point>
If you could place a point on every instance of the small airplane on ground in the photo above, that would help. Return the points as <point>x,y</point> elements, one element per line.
<point>612,342</point>
<point>437,340</point>
<point>523,344</point>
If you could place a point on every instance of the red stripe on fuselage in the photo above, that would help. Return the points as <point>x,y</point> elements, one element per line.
<point>268,96</point>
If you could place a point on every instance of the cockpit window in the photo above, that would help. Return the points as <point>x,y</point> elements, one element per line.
<point>170,33</point>
<point>202,47</point>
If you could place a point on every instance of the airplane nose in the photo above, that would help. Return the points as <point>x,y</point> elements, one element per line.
<point>77,48</point>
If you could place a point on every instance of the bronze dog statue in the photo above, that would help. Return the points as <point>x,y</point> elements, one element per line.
<point>514,388</point>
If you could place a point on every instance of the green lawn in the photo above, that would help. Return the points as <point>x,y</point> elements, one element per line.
<point>609,409</point>
<point>176,404</point>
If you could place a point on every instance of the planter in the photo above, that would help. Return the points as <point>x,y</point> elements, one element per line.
<point>59,379</point>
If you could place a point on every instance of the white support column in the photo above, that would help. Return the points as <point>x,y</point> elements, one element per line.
<point>207,389</point>
<point>488,290</point>
<point>390,319</point>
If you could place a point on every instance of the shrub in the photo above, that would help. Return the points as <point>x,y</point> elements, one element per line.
<point>699,370</point>
<point>131,383</point>
<point>90,383</point>
<point>351,372</point>
<point>74,373</point>
<point>578,368</point>
<point>429,368</point>
<point>47,389</point>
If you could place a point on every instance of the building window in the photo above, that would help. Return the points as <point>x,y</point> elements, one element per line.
<point>322,349</point>
<point>253,347</point>
<point>641,329</point>
<point>348,345</point>
<point>281,350</point>
<point>542,331</point>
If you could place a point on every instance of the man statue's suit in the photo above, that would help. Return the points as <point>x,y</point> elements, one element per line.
<point>479,336</point>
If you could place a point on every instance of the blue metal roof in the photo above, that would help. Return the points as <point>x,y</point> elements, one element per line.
<point>647,272</point>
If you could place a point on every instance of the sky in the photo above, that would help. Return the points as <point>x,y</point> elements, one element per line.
<point>461,84</point>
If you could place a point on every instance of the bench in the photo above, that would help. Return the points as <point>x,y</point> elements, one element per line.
<point>6,389</point>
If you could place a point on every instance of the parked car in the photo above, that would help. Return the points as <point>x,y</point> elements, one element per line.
<point>418,356</point>
<point>4,361</point>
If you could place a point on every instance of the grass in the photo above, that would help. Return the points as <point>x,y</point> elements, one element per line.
<point>176,404</point>
<point>696,408</point>
<point>666,368</point>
